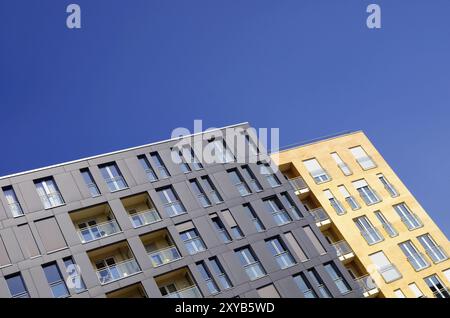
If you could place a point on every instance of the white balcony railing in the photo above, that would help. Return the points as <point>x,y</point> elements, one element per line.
<point>164,256</point>
<point>189,292</point>
<point>144,217</point>
<point>118,271</point>
<point>98,231</point>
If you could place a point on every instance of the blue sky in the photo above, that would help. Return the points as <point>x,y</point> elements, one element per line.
<point>139,68</point>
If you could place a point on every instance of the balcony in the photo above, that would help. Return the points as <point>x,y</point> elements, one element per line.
<point>113,262</point>
<point>321,218</point>
<point>133,291</point>
<point>141,210</point>
<point>299,185</point>
<point>368,286</point>
<point>94,223</point>
<point>178,284</point>
<point>160,248</point>
<point>343,251</point>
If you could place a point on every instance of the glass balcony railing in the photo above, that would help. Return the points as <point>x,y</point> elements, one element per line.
<point>298,183</point>
<point>366,283</point>
<point>145,217</point>
<point>319,215</point>
<point>254,270</point>
<point>417,261</point>
<point>118,271</point>
<point>281,217</point>
<point>164,256</point>
<point>51,200</point>
<point>442,293</point>
<point>436,253</point>
<point>116,183</point>
<point>372,236</point>
<point>389,273</point>
<point>98,231</point>
<point>366,162</point>
<point>412,221</point>
<point>285,260</point>
<point>342,248</point>
<point>189,292</point>
<point>320,176</point>
<point>15,208</point>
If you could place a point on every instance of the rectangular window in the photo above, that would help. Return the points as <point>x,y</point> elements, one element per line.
<point>341,164</point>
<point>55,280</point>
<point>13,202</point>
<point>49,193</point>
<point>221,152</point>
<point>235,230</point>
<point>335,203</point>
<point>252,147</point>
<point>415,258</point>
<point>364,160</point>
<point>151,175</point>
<point>74,273</point>
<point>415,290</point>
<point>314,240</point>
<point>408,218</point>
<point>210,283</point>
<point>211,190</point>
<point>388,227</point>
<point>16,286</point>
<point>316,171</point>
<point>220,229</point>
<point>254,218</point>
<point>399,294</point>
<point>281,254</point>
<point>279,215</point>
<point>90,182</point>
<point>388,186</point>
<point>368,195</point>
<point>318,282</point>
<point>368,231</point>
<point>268,291</point>
<point>172,205</point>
<point>194,161</point>
<point>386,269</point>
<point>113,177</point>
<point>218,270</point>
<point>337,277</point>
<point>290,205</point>
<point>50,234</point>
<point>199,193</point>
<point>159,164</point>
<point>304,286</point>
<point>178,158</point>
<point>351,201</point>
<point>250,263</point>
<point>192,241</point>
<point>254,183</point>
<point>437,287</point>
<point>238,182</point>
<point>266,170</point>
<point>434,251</point>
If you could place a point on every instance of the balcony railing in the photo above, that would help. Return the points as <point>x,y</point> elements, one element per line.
<point>298,183</point>
<point>51,200</point>
<point>98,231</point>
<point>254,270</point>
<point>116,183</point>
<point>319,215</point>
<point>366,162</point>
<point>389,273</point>
<point>371,198</point>
<point>15,208</point>
<point>390,229</point>
<point>342,248</point>
<point>417,261</point>
<point>285,260</point>
<point>442,293</point>
<point>412,221</point>
<point>437,254</point>
<point>366,283</point>
<point>189,292</point>
<point>320,176</point>
<point>164,256</point>
<point>118,271</point>
<point>281,217</point>
<point>372,236</point>
<point>345,168</point>
<point>144,218</point>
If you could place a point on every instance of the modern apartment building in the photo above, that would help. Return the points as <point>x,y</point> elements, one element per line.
<point>156,221</point>
<point>380,232</point>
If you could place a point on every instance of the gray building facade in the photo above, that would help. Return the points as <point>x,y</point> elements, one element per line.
<point>136,223</point>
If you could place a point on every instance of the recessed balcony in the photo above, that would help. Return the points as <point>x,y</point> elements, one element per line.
<point>113,262</point>
<point>94,223</point>
<point>160,248</point>
<point>133,291</point>
<point>299,185</point>
<point>141,210</point>
<point>321,218</point>
<point>343,251</point>
<point>368,286</point>
<point>178,284</point>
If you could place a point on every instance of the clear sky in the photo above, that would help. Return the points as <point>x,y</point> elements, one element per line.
<point>139,68</point>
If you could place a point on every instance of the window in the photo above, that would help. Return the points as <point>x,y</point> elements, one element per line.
<point>341,164</point>
<point>201,196</point>
<point>388,186</point>
<point>113,177</point>
<point>289,203</point>
<point>317,281</point>
<point>279,215</point>
<point>314,240</point>
<point>316,171</point>
<point>304,286</point>
<point>210,283</point>
<point>399,294</point>
<point>267,171</point>
<point>49,193</point>
<point>368,195</point>
<point>268,291</point>
<point>74,272</point>
<point>151,175</point>
<point>336,275</point>
<point>364,160</point>
<point>159,164</point>
<point>255,220</point>
<point>351,201</point>
<point>447,274</point>
<point>408,218</point>
<point>254,183</point>
<point>250,263</point>
<point>50,234</point>
<point>55,280</point>
<point>16,286</point>
<point>178,158</point>
<point>220,229</point>
<point>90,182</point>
<point>390,230</point>
<point>13,202</point>
<point>415,290</point>
<point>235,230</point>
<point>211,190</point>
<point>238,182</point>
<point>386,269</point>
<point>252,147</point>
<point>368,231</point>
<point>217,268</point>
<point>193,242</point>
<point>415,258</point>
<point>172,205</point>
<point>434,251</point>
<point>281,254</point>
<point>335,203</point>
<point>221,152</point>
<point>194,161</point>
<point>439,290</point>
<point>4,257</point>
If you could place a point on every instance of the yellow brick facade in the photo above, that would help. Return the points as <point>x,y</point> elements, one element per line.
<point>343,227</point>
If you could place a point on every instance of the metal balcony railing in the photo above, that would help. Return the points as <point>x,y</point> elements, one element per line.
<point>366,283</point>
<point>342,248</point>
<point>164,256</point>
<point>319,215</point>
<point>144,218</point>
<point>98,231</point>
<point>298,183</point>
<point>118,271</point>
<point>189,292</point>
